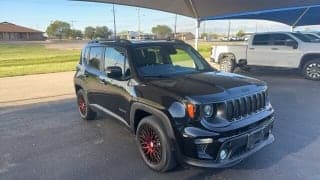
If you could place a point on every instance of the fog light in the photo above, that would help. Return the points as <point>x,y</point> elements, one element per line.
<point>223,154</point>
<point>203,141</point>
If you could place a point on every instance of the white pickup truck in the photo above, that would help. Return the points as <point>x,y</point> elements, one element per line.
<point>276,49</point>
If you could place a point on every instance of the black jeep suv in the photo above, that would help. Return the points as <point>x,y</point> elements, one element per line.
<point>180,109</point>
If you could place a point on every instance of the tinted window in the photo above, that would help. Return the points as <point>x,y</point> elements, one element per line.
<point>95,57</point>
<point>263,39</point>
<point>302,37</point>
<point>280,39</point>
<point>116,56</point>
<point>85,55</point>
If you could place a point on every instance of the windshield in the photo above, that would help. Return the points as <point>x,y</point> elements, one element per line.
<point>302,37</point>
<point>168,60</point>
<point>313,37</point>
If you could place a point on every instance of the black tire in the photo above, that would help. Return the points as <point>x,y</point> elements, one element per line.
<point>311,70</point>
<point>227,64</point>
<point>85,111</point>
<point>154,145</point>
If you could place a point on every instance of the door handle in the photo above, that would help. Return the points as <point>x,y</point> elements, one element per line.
<point>251,48</point>
<point>274,49</point>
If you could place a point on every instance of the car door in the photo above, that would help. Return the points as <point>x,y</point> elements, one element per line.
<point>281,53</point>
<point>93,72</point>
<point>116,97</point>
<point>258,52</point>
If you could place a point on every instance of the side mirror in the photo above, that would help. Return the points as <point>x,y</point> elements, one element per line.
<point>292,43</point>
<point>114,72</point>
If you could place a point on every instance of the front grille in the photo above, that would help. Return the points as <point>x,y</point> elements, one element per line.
<point>244,106</point>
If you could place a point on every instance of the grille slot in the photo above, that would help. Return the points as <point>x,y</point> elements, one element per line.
<point>244,106</point>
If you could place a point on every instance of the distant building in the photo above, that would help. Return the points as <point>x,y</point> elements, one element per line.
<point>12,32</point>
<point>184,36</point>
<point>130,35</point>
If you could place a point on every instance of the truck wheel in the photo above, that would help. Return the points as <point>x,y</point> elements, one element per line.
<point>227,64</point>
<point>154,145</point>
<point>85,111</point>
<point>311,70</point>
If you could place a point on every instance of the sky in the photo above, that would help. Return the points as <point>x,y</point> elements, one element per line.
<point>38,14</point>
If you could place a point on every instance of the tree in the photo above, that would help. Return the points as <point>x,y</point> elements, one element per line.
<point>162,31</point>
<point>58,29</point>
<point>241,33</point>
<point>204,35</point>
<point>76,34</point>
<point>102,32</point>
<point>89,32</point>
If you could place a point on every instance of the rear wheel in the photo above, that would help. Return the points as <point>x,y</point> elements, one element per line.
<point>227,64</point>
<point>311,70</point>
<point>154,145</point>
<point>85,111</point>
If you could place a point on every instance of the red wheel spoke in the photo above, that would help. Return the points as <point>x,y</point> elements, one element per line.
<point>150,144</point>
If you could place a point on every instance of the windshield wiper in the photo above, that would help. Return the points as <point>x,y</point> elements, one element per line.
<point>160,76</point>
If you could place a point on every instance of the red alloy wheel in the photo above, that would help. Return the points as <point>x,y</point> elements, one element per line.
<point>82,105</point>
<point>150,144</point>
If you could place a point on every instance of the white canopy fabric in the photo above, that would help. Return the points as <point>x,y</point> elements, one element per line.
<point>218,9</point>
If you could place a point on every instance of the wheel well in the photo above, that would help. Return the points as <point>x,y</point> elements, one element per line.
<point>226,55</point>
<point>77,87</point>
<point>138,115</point>
<point>307,58</point>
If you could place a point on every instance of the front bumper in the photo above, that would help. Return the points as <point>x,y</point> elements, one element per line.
<point>206,153</point>
<point>230,162</point>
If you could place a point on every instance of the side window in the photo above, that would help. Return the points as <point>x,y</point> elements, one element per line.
<point>280,39</point>
<point>95,57</point>
<point>85,56</point>
<point>182,58</point>
<point>262,40</point>
<point>116,56</point>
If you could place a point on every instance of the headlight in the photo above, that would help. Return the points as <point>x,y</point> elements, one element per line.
<point>208,110</point>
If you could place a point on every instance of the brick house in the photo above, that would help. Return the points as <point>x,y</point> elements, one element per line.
<point>12,32</point>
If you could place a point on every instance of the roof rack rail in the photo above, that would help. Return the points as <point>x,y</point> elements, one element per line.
<point>110,40</point>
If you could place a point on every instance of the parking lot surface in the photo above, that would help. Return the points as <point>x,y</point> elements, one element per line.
<point>50,141</point>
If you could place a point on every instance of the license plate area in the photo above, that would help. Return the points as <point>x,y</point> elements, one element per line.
<point>255,137</point>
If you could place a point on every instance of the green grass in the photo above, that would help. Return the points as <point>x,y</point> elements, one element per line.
<point>204,49</point>
<point>18,60</point>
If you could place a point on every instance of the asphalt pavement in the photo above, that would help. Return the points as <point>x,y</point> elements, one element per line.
<point>48,140</point>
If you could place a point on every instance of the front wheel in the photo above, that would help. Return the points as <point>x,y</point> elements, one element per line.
<point>154,145</point>
<point>311,70</point>
<point>227,64</point>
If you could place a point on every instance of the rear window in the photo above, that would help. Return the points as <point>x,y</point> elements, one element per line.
<point>263,39</point>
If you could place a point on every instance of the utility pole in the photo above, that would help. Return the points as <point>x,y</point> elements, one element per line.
<point>72,24</point>
<point>114,23</point>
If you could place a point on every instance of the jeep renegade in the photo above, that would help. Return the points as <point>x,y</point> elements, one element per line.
<point>180,109</point>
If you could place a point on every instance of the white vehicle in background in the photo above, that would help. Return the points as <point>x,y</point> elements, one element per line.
<point>276,49</point>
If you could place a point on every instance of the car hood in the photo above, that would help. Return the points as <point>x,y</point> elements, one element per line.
<point>209,86</point>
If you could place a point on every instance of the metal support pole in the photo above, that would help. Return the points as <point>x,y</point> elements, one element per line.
<point>139,23</point>
<point>229,29</point>
<point>175,26</point>
<point>197,34</point>
<point>114,23</point>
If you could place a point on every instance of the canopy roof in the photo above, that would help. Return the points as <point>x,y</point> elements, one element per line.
<point>291,12</point>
